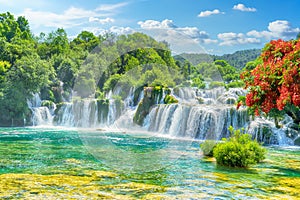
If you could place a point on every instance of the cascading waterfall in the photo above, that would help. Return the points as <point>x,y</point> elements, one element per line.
<point>200,122</point>
<point>200,114</point>
<point>193,120</point>
<point>95,113</point>
<point>82,113</point>
<point>265,131</point>
<point>41,115</point>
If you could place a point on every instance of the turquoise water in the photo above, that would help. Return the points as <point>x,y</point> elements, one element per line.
<point>76,164</point>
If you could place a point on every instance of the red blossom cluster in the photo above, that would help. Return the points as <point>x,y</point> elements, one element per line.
<point>275,82</point>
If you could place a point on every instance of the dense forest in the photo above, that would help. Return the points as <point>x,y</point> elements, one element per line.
<point>89,66</point>
<point>237,59</point>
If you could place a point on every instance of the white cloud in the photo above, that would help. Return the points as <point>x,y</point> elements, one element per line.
<point>242,7</point>
<point>111,7</point>
<point>73,16</point>
<point>121,30</point>
<point>230,39</point>
<point>152,24</point>
<point>49,19</point>
<point>101,21</point>
<point>210,41</point>
<point>181,39</point>
<point>276,29</point>
<point>24,4</point>
<point>114,29</point>
<point>168,27</point>
<point>262,34</point>
<point>208,13</point>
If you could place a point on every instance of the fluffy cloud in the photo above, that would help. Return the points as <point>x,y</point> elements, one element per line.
<point>208,13</point>
<point>192,32</point>
<point>242,7</point>
<point>114,29</point>
<point>121,30</point>
<point>230,39</point>
<point>276,29</point>
<point>181,39</point>
<point>152,24</point>
<point>168,28</point>
<point>101,21</point>
<point>72,16</point>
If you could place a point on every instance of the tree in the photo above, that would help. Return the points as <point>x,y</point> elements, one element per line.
<point>274,84</point>
<point>86,40</point>
<point>9,27</point>
<point>58,41</point>
<point>27,76</point>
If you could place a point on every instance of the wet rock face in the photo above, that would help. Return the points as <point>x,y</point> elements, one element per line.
<point>292,132</point>
<point>297,141</point>
<point>152,95</point>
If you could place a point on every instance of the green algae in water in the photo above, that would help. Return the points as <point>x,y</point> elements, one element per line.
<point>38,163</point>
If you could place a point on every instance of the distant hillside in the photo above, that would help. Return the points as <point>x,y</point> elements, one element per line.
<point>238,59</point>
<point>194,58</point>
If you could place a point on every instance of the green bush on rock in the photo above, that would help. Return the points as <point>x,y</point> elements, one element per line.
<point>207,147</point>
<point>170,99</point>
<point>238,150</point>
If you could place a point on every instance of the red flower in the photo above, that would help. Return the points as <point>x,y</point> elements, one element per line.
<point>276,81</point>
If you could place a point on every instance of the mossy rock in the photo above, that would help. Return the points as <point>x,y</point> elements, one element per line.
<point>48,104</point>
<point>297,141</point>
<point>152,95</point>
<point>169,99</point>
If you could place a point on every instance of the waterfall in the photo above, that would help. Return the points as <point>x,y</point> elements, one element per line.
<point>200,122</point>
<point>186,94</point>
<point>95,113</point>
<point>200,114</point>
<point>265,131</point>
<point>67,117</point>
<point>35,101</point>
<point>41,115</point>
<point>81,113</point>
<point>192,119</point>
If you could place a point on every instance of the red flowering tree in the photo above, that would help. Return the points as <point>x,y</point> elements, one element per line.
<point>274,82</point>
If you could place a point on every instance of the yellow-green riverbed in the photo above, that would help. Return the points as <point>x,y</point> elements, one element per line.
<point>54,163</point>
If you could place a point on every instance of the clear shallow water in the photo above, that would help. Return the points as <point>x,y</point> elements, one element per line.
<point>71,164</point>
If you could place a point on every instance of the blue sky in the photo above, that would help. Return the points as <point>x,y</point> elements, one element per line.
<point>213,26</point>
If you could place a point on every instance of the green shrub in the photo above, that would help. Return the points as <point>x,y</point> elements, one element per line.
<point>238,150</point>
<point>169,99</point>
<point>216,84</point>
<point>235,84</point>
<point>207,147</point>
<point>48,104</point>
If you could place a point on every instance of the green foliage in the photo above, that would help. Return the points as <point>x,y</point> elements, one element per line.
<point>242,99</point>
<point>238,150</point>
<point>111,82</point>
<point>235,84</point>
<point>85,40</point>
<point>216,84</point>
<point>48,104</point>
<point>169,99</point>
<point>198,82</point>
<point>207,147</point>
<point>238,59</point>
<point>273,81</point>
<point>90,66</point>
<point>85,85</point>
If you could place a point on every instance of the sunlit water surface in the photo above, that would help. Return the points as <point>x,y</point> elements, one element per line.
<point>54,163</point>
